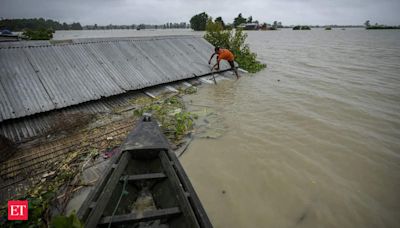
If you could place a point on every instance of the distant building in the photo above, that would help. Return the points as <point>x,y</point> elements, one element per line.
<point>6,32</point>
<point>266,26</point>
<point>7,35</point>
<point>301,27</point>
<point>249,26</point>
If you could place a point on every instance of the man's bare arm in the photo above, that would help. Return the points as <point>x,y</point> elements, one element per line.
<point>209,61</point>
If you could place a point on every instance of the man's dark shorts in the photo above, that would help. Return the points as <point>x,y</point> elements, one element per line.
<point>232,64</point>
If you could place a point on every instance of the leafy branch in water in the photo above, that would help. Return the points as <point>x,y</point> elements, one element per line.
<point>234,41</point>
<point>41,34</point>
<point>170,112</point>
<point>71,221</point>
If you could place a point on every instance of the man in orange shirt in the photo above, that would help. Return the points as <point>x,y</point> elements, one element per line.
<point>223,54</point>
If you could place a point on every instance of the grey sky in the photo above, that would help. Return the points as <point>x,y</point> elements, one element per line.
<point>289,12</point>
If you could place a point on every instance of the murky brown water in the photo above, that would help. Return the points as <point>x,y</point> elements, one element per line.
<point>312,141</point>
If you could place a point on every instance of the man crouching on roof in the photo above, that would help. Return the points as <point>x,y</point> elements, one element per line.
<point>223,54</point>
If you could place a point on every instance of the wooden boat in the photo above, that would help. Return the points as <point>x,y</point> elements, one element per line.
<point>145,186</point>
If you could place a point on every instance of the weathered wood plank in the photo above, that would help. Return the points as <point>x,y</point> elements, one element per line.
<point>191,194</point>
<point>143,176</point>
<point>135,217</point>
<point>105,196</point>
<point>180,192</point>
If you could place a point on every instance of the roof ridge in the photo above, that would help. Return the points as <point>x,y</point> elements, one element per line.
<point>25,44</point>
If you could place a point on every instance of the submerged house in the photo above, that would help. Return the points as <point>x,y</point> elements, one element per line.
<point>39,77</point>
<point>6,36</point>
<point>53,86</point>
<point>301,27</point>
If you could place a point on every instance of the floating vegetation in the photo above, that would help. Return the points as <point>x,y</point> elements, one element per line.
<point>171,113</point>
<point>40,34</point>
<point>209,123</point>
<point>72,221</point>
<point>191,90</point>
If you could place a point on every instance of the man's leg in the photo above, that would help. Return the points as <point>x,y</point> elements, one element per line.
<point>234,68</point>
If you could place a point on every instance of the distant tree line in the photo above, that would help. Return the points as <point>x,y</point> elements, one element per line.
<point>37,24</point>
<point>169,25</point>
<point>198,23</point>
<point>378,26</point>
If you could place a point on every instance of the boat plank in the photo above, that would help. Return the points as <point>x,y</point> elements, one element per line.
<point>191,193</point>
<point>143,176</point>
<point>180,192</point>
<point>136,217</point>
<point>105,196</point>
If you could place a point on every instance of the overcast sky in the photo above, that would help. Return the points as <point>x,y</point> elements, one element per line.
<point>290,12</point>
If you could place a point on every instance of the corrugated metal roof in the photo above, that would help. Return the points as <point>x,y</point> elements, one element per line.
<point>35,125</point>
<point>24,43</point>
<point>39,77</point>
<point>21,129</point>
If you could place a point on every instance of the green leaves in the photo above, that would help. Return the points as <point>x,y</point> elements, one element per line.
<point>239,20</point>
<point>184,122</point>
<point>41,34</point>
<point>191,90</point>
<point>234,41</point>
<point>216,35</point>
<point>198,22</point>
<point>72,221</point>
<point>170,112</point>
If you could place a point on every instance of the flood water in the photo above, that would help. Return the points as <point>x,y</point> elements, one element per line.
<point>312,141</point>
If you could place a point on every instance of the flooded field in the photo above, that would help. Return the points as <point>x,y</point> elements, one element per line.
<point>312,141</point>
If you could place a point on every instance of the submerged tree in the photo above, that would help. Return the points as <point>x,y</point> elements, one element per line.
<point>275,25</point>
<point>216,35</point>
<point>76,26</point>
<point>65,26</point>
<point>41,34</point>
<point>220,21</point>
<point>239,20</point>
<point>198,22</point>
<point>234,41</point>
